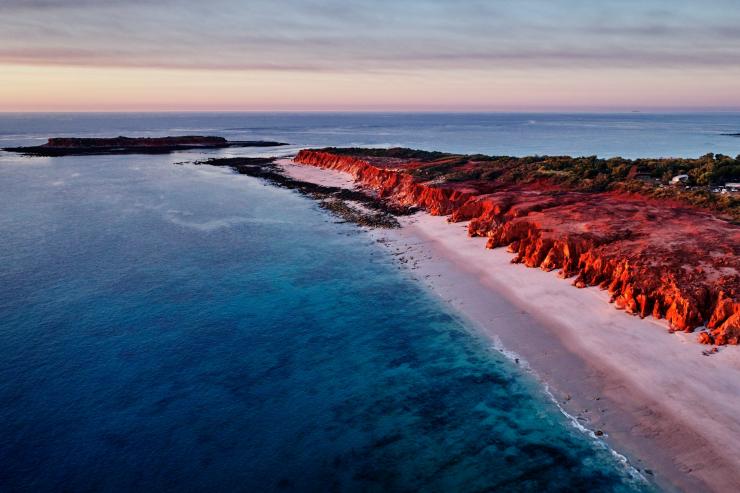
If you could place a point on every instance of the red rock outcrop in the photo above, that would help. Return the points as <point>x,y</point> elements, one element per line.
<point>655,257</point>
<point>389,180</point>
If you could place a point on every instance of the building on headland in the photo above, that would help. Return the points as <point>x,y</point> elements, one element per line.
<point>727,188</point>
<point>679,179</point>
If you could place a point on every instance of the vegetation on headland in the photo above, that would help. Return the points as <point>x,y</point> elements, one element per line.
<point>650,177</point>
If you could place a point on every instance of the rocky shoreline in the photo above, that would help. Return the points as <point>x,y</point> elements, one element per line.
<point>355,206</point>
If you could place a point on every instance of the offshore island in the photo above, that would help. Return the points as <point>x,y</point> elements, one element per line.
<point>72,146</point>
<point>659,239</point>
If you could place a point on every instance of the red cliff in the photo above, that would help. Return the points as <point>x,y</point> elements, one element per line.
<point>655,257</point>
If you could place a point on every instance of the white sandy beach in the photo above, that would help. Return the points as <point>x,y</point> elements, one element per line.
<point>654,395</point>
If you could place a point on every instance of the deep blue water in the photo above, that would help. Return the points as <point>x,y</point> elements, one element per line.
<point>170,327</point>
<point>629,135</point>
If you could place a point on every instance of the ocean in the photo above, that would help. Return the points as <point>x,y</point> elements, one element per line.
<point>171,327</point>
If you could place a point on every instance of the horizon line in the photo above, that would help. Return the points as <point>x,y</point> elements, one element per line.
<point>656,110</point>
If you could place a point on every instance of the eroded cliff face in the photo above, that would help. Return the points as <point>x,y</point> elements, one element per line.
<point>389,181</point>
<point>654,257</point>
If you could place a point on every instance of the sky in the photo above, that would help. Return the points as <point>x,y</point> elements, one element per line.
<point>418,55</point>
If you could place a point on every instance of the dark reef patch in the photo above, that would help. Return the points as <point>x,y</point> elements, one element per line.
<point>355,206</point>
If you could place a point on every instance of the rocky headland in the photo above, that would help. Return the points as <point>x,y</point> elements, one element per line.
<point>671,252</point>
<point>72,146</point>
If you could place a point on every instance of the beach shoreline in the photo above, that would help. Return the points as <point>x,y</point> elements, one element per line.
<point>651,395</point>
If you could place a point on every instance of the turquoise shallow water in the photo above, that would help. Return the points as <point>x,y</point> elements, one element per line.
<point>181,328</point>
